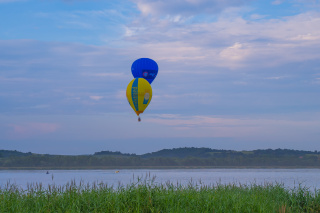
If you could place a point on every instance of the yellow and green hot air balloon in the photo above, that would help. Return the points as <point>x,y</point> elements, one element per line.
<point>139,94</point>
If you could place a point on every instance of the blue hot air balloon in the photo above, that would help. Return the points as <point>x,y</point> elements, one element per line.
<point>145,68</point>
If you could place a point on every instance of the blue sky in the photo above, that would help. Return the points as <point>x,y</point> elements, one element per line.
<point>233,74</point>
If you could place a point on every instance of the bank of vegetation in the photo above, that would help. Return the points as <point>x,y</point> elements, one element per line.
<point>144,195</point>
<point>167,158</point>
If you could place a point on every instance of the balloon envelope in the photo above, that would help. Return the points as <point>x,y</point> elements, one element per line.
<point>139,94</point>
<point>145,68</point>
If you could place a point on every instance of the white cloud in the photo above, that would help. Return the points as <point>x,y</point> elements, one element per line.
<point>231,42</point>
<point>185,7</point>
<point>129,32</point>
<point>234,52</point>
<point>96,97</point>
<point>306,37</point>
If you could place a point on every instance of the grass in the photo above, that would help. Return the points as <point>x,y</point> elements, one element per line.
<point>145,195</point>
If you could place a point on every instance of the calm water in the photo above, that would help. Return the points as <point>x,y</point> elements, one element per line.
<point>289,177</point>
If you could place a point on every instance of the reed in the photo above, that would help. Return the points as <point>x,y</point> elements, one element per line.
<point>144,194</point>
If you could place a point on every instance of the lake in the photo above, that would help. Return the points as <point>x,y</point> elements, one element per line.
<point>290,178</point>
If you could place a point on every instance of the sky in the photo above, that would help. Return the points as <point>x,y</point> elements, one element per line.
<point>233,74</point>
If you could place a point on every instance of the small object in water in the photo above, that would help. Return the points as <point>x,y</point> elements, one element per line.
<point>139,119</point>
<point>47,172</point>
<point>117,171</point>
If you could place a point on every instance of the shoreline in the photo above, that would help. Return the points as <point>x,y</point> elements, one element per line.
<point>157,167</point>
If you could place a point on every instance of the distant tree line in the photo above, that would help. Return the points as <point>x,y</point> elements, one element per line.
<point>180,157</point>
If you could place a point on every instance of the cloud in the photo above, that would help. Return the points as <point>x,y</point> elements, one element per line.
<point>230,41</point>
<point>185,7</point>
<point>234,52</point>
<point>29,130</point>
<point>60,75</point>
<point>108,75</point>
<point>257,16</point>
<point>121,94</point>
<point>316,81</point>
<point>276,77</point>
<point>306,37</point>
<point>277,2</point>
<point>250,128</point>
<point>63,76</point>
<point>96,97</point>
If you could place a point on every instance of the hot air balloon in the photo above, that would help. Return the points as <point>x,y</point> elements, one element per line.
<point>139,94</point>
<point>145,68</point>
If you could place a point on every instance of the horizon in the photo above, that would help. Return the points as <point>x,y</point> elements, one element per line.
<point>235,75</point>
<point>162,150</point>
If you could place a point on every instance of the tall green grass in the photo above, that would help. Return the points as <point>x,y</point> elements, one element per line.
<point>145,195</point>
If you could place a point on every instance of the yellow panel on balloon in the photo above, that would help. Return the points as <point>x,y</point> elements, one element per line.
<point>139,94</point>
